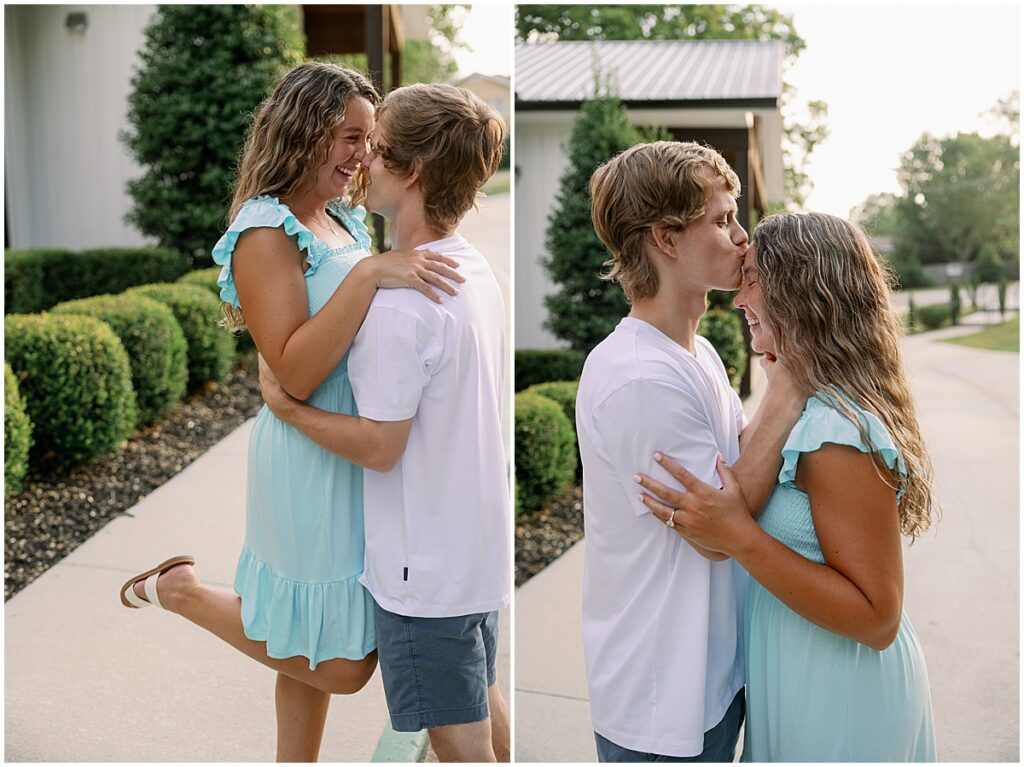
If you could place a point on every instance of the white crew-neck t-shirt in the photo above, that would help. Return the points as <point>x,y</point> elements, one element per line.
<point>661,624</point>
<point>437,525</point>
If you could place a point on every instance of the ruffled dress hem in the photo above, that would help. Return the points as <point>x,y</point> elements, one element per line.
<point>319,621</point>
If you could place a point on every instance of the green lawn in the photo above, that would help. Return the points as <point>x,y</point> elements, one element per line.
<point>499,183</point>
<point>1004,337</point>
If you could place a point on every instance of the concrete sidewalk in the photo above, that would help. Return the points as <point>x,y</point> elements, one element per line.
<point>90,681</point>
<point>962,581</point>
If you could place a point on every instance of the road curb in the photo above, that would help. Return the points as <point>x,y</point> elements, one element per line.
<point>400,746</point>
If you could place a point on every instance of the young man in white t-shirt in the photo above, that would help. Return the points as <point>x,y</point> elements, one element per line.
<point>661,624</point>
<point>428,380</point>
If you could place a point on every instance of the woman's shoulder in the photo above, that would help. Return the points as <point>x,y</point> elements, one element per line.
<point>263,212</point>
<point>832,417</point>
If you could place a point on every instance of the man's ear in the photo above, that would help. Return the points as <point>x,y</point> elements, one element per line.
<point>665,239</point>
<point>414,177</point>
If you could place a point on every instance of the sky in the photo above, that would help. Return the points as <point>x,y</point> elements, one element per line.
<point>890,73</point>
<point>489,30</point>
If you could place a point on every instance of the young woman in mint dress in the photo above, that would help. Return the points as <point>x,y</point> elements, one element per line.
<point>834,670</point>
<point>296,260</point>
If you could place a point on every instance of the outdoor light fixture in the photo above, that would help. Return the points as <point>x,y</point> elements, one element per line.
<point>76,22</point>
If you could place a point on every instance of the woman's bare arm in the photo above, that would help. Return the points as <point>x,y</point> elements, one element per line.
<point>303,350</point>
<point>859,591</point>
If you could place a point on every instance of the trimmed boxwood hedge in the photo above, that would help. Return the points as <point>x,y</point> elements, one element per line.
<point>563,393</point>
<point>534,366</point>
<point>545,450</point>
<point>17,434</point>
<point>155,344</point>
<point>207,278</point>
<point>211,349</point>
<point>37,279</point>
<point>25,278</point>
<point>725,332</point>
<point>933,317</point>
<point>76,380</point>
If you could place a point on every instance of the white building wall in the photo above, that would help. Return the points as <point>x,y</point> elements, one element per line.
<point>66,102</point>
<point>540,158</point>
<point>541,139</point>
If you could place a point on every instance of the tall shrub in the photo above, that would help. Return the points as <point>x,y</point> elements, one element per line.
<point>586,308</point>
<point>204,70</point>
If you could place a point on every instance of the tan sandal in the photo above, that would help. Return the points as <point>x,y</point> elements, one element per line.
<point>128,596</point>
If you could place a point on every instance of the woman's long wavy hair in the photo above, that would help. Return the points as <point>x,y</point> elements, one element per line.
<point>827,302</point>
<point>291,138</point>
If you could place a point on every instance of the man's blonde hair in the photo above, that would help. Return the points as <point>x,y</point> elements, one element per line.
<point>667,183</point>
<point>451,135</point>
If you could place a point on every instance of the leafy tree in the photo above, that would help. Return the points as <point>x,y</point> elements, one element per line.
<point>802,133</point>
<point>431,60</point>
<point>204,69</point>
<point>586,308</point>
<point>959,201</point>
<point>961,195</point>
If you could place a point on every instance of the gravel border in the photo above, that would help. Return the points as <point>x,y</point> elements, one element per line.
<point>56,513</point>
<point>542,536</point>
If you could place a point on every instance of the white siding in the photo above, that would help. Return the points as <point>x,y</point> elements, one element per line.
<point>540,158</point>
<point>65,102</point>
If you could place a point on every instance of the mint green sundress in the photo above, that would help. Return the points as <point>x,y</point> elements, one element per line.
<point>298,573</point>
<point>813,695</point>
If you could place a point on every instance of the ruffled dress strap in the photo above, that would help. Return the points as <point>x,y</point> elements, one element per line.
<point>261,212</point>
<point>820,423</point>
<point>354,220</point>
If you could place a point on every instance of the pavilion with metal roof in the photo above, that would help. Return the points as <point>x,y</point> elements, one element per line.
<point>686,73</point>
<point>725,93</point>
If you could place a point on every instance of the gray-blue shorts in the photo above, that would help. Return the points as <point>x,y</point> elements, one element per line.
<point>436,671</point>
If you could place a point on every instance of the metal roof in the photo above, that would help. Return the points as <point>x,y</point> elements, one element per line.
<point>674,71</point>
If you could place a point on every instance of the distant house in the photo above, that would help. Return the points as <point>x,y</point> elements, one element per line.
<point>726,93</point>
<point>493,89</point>
<point>67,74</point>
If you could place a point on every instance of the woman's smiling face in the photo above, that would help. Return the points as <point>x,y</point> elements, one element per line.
<point>750,300</point>
<point>347,150</point>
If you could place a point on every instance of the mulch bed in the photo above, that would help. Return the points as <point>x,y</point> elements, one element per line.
<point>543,536</point>
<point>55,513</point>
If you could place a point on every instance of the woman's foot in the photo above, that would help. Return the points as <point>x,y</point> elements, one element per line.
<point>167,585</point>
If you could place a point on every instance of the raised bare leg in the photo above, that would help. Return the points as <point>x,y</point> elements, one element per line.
<point>500,732</point>
<point>220,613</point>
<point>463,742</point>
<point>301,714</point>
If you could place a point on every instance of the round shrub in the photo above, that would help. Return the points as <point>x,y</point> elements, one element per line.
<point>17,434</point>
<point>207,278</point>
<point>76,380</point>
<point>563,393</point>
<point>155,344</point>
<point>933,317</point>
<point>723,329</point>
<point>545,450</point>
<point>211,349</point>
<point>534,366</point>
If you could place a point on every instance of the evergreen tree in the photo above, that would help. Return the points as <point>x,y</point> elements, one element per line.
<point>204,69</point>
<point>586,308</point>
